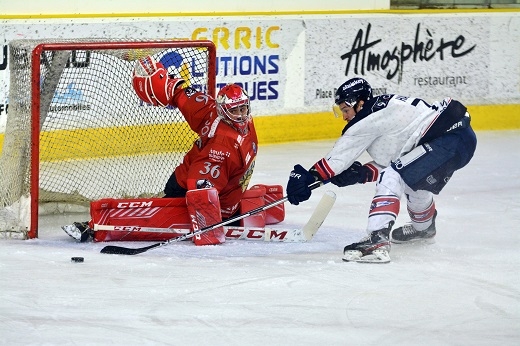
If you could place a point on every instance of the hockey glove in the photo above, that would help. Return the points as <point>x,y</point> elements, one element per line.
<point>298,186</point>
<point>151,82</point>
<point>355,174</point>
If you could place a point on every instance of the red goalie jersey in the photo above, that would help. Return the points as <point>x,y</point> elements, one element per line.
<point>224,154</point>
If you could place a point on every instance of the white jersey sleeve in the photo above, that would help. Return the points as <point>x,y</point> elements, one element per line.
<point>387,127</point>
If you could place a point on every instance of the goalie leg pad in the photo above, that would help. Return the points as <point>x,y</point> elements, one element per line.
<point>252,199</point>
<point>129,216</point>
<point>204,210</point>
<point>272,193</point>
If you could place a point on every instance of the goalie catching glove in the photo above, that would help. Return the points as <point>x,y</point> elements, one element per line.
<point>151,82</point>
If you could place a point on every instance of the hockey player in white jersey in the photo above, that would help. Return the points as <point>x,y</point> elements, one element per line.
<point>415,147</point>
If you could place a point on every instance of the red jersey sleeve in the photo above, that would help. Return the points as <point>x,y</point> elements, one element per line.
<point>197,108</point>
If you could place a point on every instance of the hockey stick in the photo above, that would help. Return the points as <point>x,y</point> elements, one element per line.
<point>120,250</point>
<point>231,232</point>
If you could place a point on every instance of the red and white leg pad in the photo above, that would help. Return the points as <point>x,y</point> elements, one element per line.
<point>253,199</point>
<point>125,219</point>
<point>258,196</point>
<point>204,210</point>
<point>275,214</point>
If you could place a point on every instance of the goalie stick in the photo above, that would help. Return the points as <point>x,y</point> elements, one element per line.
<point>120,250</point>
<point>250,233</point>
<point>231,232</point>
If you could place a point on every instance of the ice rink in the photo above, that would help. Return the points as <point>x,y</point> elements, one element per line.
<point>462,290</point>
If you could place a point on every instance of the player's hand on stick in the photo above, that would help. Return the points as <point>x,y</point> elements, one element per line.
<point>355,174</point>
<point>298,186</point>
<point>151,82</point>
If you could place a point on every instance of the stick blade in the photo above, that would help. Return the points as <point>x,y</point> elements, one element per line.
<point>320,213</point>
<point>119,250</point>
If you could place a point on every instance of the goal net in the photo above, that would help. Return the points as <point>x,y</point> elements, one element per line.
<point>77,132</point>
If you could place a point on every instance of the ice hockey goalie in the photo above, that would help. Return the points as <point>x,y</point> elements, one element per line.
<point>212,180</point>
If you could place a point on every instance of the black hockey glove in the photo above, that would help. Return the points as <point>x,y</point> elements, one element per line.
<point>355,174</point>
<point>298,185</point>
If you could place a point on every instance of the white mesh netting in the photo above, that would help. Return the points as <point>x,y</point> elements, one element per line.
<point>96,138</point>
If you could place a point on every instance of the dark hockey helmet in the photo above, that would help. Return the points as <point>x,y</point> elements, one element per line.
<point>352,91</point>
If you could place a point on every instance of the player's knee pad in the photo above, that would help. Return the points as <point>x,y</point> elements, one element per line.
<point>204,210</point>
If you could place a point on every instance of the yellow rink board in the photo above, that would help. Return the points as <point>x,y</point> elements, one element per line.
<point>270,129</point>
<point>318,126</point>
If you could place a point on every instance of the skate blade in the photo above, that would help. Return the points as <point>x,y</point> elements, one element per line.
<point>377,256</point>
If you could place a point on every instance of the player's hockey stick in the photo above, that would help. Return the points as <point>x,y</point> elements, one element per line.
<point>120,250</point>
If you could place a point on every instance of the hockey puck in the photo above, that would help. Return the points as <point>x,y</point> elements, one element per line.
<point>77,259</point>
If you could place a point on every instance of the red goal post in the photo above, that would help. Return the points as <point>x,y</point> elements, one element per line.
<point>76,131</point>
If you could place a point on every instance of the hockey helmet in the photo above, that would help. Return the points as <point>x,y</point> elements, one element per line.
<point>233,107</point>
<point>351,92</point>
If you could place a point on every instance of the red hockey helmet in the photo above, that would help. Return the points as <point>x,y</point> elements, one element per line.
<point>233,107</point>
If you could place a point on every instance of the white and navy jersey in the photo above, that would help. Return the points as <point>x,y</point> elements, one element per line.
<point>387,127</point>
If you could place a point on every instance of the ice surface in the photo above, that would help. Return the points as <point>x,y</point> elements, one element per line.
<point>462,290</point>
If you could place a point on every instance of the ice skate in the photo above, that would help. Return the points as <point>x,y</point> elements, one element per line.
<point>408,234</point>
<point>373,249</point>
<point>80,231</point>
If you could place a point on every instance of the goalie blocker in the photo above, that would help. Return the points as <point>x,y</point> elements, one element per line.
<point>199,209</point>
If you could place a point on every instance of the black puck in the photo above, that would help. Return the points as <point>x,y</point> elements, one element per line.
<point>77,259</point>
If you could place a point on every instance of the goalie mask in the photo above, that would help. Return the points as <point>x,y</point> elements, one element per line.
<point>350,93</point>
<point>233,107</point>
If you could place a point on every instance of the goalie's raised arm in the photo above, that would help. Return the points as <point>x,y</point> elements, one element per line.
<point>151,82</point>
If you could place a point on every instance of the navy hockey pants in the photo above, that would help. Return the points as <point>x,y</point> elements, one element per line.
<point>430,166</point>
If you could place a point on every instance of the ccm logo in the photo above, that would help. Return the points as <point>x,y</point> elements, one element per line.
<point>255,234</point>
<point>127,228</point>
<point>134,204</point>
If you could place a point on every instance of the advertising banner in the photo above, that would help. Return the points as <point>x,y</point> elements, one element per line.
<point>428,56</point>
<point>252,53</point>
